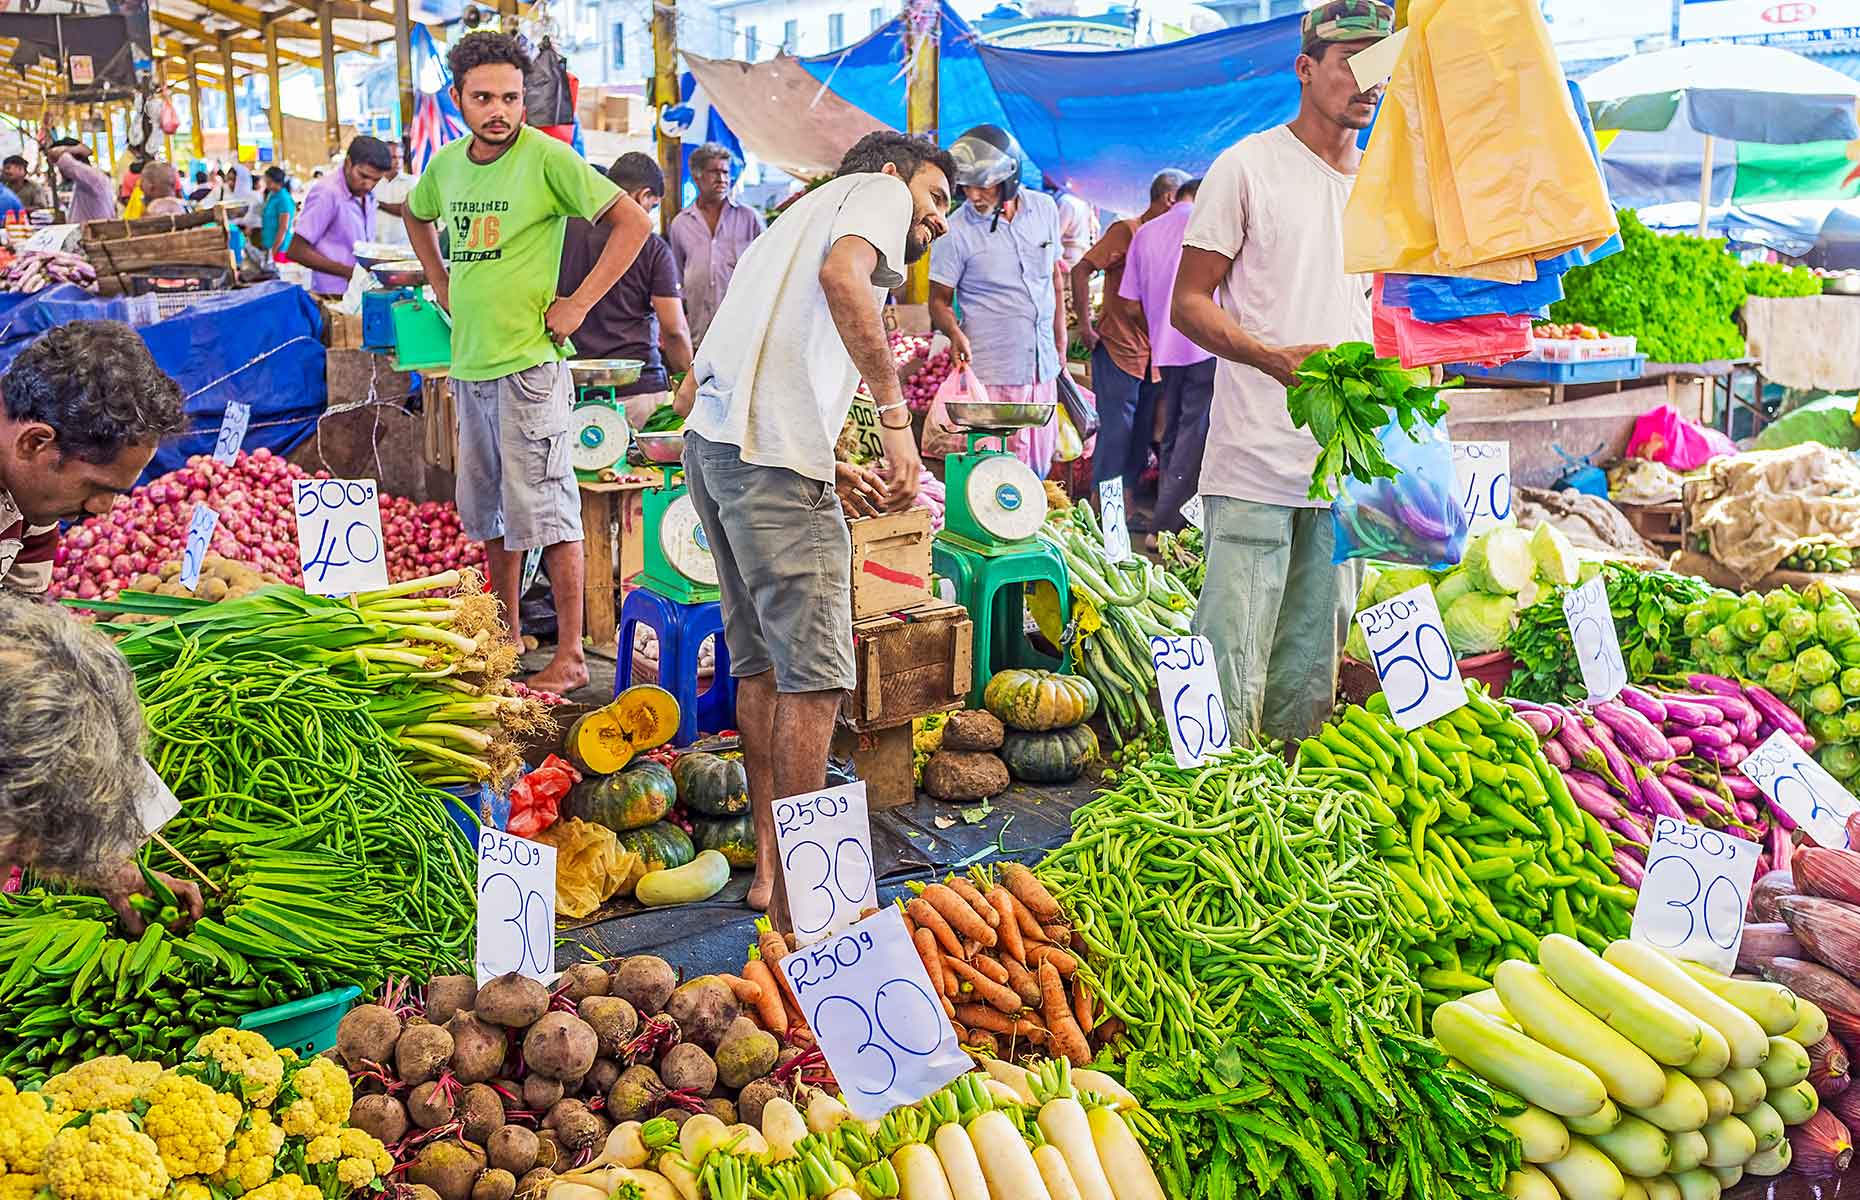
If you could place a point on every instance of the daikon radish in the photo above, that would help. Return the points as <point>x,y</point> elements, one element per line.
<point>1054,1173</point>
<point>1007,1165</point>
<point>961,1168</point>
<point>782,1126</point>
<point>1017,1077</point>
<point>1125,1166</point>
<point>1087,1080</point>
<point>920,1174</point>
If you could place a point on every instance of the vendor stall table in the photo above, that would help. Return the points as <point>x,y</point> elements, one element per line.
<point>610,521</point>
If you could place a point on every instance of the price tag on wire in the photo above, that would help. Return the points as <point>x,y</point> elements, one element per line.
<point>1413,661</point>
<point>156,804</point>
<point>233,423</point>
<point>199,537</point>
<point>1193,710</point>
<point>1483,470</point>
<point>825,842</point>
<point>874,1011</point>
<point>1112,521</point>
<point>1802,788</point>
<point>516,906</point>
<point>1692,900</point>
<point>1194,511</point>
<point>339,536</point>
<point>1598,647</point>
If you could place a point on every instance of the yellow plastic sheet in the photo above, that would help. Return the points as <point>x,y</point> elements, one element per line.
<point>590,866</point>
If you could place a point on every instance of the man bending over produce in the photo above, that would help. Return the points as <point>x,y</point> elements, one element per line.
<point>71,766</point>
<point>84,407</point>
<point>766,400</point>
<point>1261,286</point>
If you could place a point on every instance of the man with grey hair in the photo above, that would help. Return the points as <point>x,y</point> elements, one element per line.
<point>159,187</point>
<point>73,782</point>
<point>709,237</point>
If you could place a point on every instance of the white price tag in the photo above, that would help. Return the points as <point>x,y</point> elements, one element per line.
<point>233,423</point>
<point>825,842</point>
<point>1692,901</point>
<point>199,537</point>
<point>156,805</point>
<point>1483,470</point>
<point>1414,663</point>
<point>871,1005</point>
<point>1193,709</point>
<point>1802,787</point>
<point>1111,519</point>
<point>339,536</point>
<point>1194,512</point>
<point>516,906</point>
<point>49,238</point>
<point>1598,648</point>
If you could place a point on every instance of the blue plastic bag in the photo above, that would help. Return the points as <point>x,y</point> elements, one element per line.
<point>1414,518</point>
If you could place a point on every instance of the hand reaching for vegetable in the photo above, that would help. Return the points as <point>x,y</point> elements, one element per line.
<point>1282,362</point>
<point>1347,397</point>
<point>126,881</point>
<point>861,489</point>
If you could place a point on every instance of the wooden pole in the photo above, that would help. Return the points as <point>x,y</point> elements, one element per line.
<point>664,96</point>
<point>274,107</point>
<point>403,62</point>
<point>232,99</point>
<point>197,128</point>
<point>1705,158</point>
<point>332,124</point>
<point>921,107</point>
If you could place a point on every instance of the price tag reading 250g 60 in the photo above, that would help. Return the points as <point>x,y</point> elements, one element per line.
<point>875,1013</point>
<point>339,536</point>
<point>825,842</point>
<point>516,906</point>
<point>1408,648</point>
<point>1802,788</point>
<point>1692,901</point>
<point>1598,647</point>
<point>1193,710</point>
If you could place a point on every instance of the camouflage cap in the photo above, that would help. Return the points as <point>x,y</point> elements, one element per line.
<point>1348,21</point>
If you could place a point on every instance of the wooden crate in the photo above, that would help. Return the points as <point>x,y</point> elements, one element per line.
<point>341,331</point>
<point>442,423</point>
<point>882,760</point>
<point>1663,525</point>
<point>117,258</point>
<point>890,562</point>
<point>910,663</point>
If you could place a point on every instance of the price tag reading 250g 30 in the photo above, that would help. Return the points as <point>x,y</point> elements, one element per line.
<point>874,1011</point>
<point>1408,648</point>
<point>339,536</point>
<point>825,842</point>
<point>1692,900</point>
<point>1802,788</point>
<point>1598,647</point>
<point>516,906</point>
<point>1193,710</point>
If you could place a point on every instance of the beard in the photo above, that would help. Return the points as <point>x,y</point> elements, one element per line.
<point>496,139</point>
<point>917,244</point>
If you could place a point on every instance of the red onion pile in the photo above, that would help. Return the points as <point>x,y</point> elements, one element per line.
<point>252,495</point>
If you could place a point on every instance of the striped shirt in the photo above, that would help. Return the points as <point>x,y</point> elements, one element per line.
<point>25,551</point>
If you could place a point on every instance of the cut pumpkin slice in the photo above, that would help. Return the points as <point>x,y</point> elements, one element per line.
<point>641,718</point>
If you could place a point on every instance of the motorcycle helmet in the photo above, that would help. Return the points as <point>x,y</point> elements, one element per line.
<point>985,156</point>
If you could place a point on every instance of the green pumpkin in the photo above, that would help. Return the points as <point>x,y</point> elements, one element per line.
<point>711,785</point>
<point>1059,756</point>
<point>734,837</point>
<point>629,799</point>
<point>1037,701</point>
<point>661,846</point>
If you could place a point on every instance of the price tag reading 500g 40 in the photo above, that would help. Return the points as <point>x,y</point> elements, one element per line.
<point>874,1011</point>
<point>339,536</point>
<point>1408,648</point>
<point>825,842</point>
<point>516,906</point>
<point>1598,647</point>
<point>1483,470</point>
<point>1191,699</point>
<point>1692,900</point>
<point>1801,787</point>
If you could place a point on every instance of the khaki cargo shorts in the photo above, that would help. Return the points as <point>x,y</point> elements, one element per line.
<point>515,480</point>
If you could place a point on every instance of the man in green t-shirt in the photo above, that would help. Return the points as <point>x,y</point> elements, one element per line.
<point>506,194</point>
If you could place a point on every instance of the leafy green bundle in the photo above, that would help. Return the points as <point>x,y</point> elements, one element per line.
<point>1650,608</point>
<point>1677,294</point>
<point>1347,397</point>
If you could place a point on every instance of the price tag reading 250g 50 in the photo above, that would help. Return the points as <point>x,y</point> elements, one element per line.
<point>1802,788</point>
<point>1193,710</point>
<point>1598,647</point>
<point>875,1013</point>
<point>516,906</point>
<point>339,536</point>
<point>1692,901</point>
<point>825,842</point>
<point>1408,648</point>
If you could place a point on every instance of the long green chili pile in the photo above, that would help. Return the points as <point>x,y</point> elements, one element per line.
<point>1242,926</point>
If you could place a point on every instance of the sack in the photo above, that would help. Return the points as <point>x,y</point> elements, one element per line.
<point>941,437</point>
<point>1582,474</point>
<point>1414,518</point>
<point>591,866</point>
<point>1079,405</point>
<point>1666,437</point>
<point>547,97</point>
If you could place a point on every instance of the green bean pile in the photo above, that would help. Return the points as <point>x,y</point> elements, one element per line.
<point>1241,926</point>
<point>336,867</point>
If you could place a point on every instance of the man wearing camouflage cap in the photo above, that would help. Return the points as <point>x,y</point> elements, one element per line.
<point>1262,286</point>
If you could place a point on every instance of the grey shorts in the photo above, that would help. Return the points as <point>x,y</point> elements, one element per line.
<point>515,481</point>
<point>784,566</point>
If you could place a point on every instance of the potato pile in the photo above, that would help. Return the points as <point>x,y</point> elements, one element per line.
<point>220,579</point>
<point>491,1090</point>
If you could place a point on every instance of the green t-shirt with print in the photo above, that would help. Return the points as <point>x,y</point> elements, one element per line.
<point>506,219</point>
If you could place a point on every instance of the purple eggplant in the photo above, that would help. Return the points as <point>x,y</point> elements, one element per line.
<point>1657,797</point>
<point>1748,727</point>
<point>1618,765</point>
<point>1710,737</point>
<point>1746,812</point>
<point>1634,733</point>
<point>1584,753</point>
<point>1592,796</point>
<point>1630,870</point>
<point>1806,741</point>
<point>1687,792</point>
<point>1555,754</point>
<point>1717,685</point>
<point>1540,722</point>
<point>1686,710</point>
<point>1644,703</point>
<point>1727,756</point>
<point>1634,827</point>
<point>1681,744</point>
<point>1739,787</point>
<point>1778,713</point>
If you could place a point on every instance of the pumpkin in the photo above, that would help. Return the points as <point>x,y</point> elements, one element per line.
<point>711,785</point>
<point>1058,756</point>
<point>659,845</point>
<point>605,740</point>
<point>734,836</point>
<point>629,799</point>
<point>1037,701</point>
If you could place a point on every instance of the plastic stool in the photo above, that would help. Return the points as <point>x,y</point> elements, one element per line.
<point>681,629</point>
<point>993,588</point>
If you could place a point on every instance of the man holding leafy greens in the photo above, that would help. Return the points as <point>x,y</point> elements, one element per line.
<point>1262,287</point>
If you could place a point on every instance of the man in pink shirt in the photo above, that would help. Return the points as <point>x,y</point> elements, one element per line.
<point>1187,370</point>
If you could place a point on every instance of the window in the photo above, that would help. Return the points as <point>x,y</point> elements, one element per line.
<point>619,39</point>
<point>878,18</point>
<point>751,47</point>
<point>790,36</point>
<point>836,30</point>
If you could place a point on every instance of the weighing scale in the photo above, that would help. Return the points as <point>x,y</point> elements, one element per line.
<point>599,418</point>
<point>678,564</point>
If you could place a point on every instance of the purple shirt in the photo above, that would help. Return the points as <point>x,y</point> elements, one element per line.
<point>706,260</point>
<point>1149,279</point>
<point>333,219</point>
<point>93,193</point>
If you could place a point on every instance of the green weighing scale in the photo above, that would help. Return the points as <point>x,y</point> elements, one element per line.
<point>599,423</point>
<point>678,564</point>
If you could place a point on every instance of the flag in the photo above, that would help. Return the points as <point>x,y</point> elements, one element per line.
<point>436,118</point>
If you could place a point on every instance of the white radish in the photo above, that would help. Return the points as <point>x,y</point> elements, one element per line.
<point>1007,1164</point>
<point>1004,1094</point>
<point>920,1175</point>
<point>1088,1080</point>
<point>824,1113</point>
<point>1055,1173</point>
<point>961,1168</point>
<point>782,1126</point>
<point>1063,1121</point>
<point>1125,1165</point>
<point>699,1135</point>
<point>1017,1077</point>
<point>681,1176</point>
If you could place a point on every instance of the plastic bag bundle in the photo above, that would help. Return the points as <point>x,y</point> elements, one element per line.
<point>1414,518</point>
<point>1489,339</point>
<point>591,867</point>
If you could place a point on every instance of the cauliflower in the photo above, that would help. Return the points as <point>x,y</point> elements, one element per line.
<point>189,1189</point>
<point>26,1129</point>
<point>285,1187</point>
<point>324,1148</point>
<point>19,1186</point>
<point>114,1081</point>
<point>364,1159</point>
<point>106,1158</point>
<point>191,1123</point>
<point>315,1100</point>
<point>253,1158</point>
<point>247,1057</point>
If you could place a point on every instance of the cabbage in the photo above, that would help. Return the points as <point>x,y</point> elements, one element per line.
<point>1477,623</point>
<point>1456,584</point>
<point>1531,592</point>
<point>1499,560</point>
<point>1356,646</point>
<point>1397,580</point>
<point>1555,555</point>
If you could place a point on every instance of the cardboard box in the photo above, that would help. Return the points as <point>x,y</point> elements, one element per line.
<point>341,331</point>
<point>890,562</point>
<point>911,664</point>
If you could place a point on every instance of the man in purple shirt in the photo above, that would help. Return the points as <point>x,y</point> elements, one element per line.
<point>708,238</point>
<point>339,211</point>
<point>1187,370</point>
<point>93,192</point>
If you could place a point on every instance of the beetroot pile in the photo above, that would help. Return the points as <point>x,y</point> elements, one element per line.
<point>147,529</point>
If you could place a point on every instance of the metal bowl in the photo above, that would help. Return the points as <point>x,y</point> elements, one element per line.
<point>403,272</point>
<point>661,447</point>
<point>1841,285</point>
<point>605,372</point>
<point>371,254</point>
<point>990,414</point>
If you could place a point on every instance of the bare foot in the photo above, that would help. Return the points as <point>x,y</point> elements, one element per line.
<point>759,893</point>
<point>562,676</point>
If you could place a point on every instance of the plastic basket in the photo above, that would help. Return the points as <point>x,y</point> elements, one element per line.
<point>1527,370</point>
<point>1568,350</point>
<point>307,1026</point>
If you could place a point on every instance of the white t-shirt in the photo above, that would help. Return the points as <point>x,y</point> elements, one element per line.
<point>773,377</point>
<point>1276,209</point>
<point>388,227</point>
